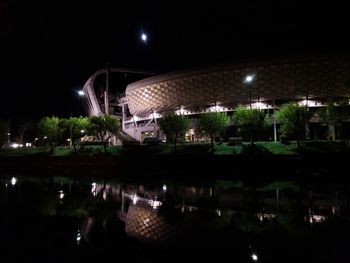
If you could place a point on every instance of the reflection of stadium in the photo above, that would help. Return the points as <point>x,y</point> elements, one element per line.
<point>159,214</point>
<point>191,92</point>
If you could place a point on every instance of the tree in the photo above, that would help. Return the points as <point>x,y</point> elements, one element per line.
<point>252,122</point>
<point>293,119</point>
<point>50,129</point>
<point>104,126</point>
<point>336,113</point>
<point>23,126</point>
<point>213,123</point>
<point>4,130</point>
<point>75,128</point>
<point>172,125</point>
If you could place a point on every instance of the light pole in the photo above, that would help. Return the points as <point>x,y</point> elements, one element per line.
<point>274,121</point>
<point>248,80</point>
<point>106,97</point>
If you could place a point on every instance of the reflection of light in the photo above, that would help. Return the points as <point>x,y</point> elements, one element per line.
<point>16,145</point>
<point>61,195</point>
<point>254,257</point>
<point>316,218</point>
<point>164,188</point>
<point>135,199</point>
<point>93,189</point>
<point>145,222</point>
<point>144,37</point>
<point>335,210</point>
<point>78,237</point>
<point>13,180</point>
<point>155,204</point>
<point>267,216</point>
<point>249,78</point>
<point>218,211</point>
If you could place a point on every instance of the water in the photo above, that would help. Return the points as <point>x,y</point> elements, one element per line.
<point>66,218</point>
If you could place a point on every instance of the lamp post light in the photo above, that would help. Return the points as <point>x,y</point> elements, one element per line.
<point>248,80</point>
<point>81,93</point>
<point>144,37</point>
<point>8,137</point>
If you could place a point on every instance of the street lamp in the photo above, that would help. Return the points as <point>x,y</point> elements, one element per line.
<point>81,93</point>
<point>248,80</point>
<point>144,37</point>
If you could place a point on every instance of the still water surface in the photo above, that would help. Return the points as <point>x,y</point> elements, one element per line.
<point>61,218</point>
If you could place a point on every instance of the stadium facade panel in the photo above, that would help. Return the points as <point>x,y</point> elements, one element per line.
<point>224,86</point>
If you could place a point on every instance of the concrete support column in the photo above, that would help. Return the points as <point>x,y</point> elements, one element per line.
<point>123,116</point>
<point>307,131</point>
<point>331,131</point>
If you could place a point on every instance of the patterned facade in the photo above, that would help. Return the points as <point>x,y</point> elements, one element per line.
<point>195,89</point>
<point>145,223</point>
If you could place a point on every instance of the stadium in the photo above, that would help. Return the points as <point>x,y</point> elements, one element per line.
<point>311,82</point>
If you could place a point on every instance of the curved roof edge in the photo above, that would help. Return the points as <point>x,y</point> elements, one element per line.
<point>221,67</point>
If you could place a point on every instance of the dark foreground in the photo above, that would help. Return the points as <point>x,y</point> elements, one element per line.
<point>178,166</point>
<point>168,218</point>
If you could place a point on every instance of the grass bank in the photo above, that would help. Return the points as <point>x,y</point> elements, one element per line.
<point>260,148</point>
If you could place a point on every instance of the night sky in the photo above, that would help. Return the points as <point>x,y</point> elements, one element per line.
<point>48,49</point>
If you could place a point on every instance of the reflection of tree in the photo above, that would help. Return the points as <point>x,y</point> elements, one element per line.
<point>293,220</point>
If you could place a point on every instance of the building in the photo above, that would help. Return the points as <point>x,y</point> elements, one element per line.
<point>308,81</point>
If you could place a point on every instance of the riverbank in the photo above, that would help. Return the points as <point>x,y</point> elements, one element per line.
<point>260,148</point>
<point>263,167</point>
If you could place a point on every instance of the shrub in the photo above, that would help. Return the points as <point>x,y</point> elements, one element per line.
<point>234,141</point>
<point>283,140</point>
<point>127,144</point>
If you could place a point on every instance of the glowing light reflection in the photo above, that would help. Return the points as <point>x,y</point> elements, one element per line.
<point>13,180</point>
